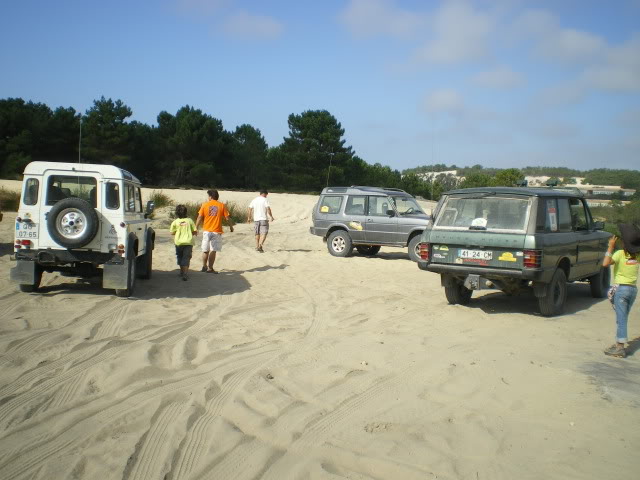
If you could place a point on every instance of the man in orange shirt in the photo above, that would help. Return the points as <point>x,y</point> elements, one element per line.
<point>211,214</point>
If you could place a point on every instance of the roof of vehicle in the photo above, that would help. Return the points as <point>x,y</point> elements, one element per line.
<point>363,189</point>
<point>107,171</point>
<point>525,191</point>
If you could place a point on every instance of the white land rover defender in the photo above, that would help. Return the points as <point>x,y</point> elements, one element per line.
<point>74,218</point>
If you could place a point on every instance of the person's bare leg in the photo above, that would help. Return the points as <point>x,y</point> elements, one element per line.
<point>205,256</point>
<point>257,242</point>
<point>262,239</point>
<point>212,258</point>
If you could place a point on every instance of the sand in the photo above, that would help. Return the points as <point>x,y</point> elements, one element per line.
<point>294,364</point>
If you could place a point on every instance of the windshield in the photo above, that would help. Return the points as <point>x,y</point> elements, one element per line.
<point>484,213</point>
<point>406,205</point>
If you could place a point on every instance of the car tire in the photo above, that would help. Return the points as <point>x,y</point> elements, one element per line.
<point>72,222</point>
<point>555,298</point>
<point>131,280</point>
<point>33,287</point>
<point>368,250</point>
<point>339,243</point>
<point>456,292</point>
<point>600,283</point>
<point>413,248</point>
<point>145,265</point>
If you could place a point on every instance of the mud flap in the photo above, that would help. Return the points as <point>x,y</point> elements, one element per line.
<point>25,272</point>
<point>115,275</point>
<point>540,289</point>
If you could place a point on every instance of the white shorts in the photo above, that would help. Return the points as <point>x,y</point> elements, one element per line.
<point>211,241</point>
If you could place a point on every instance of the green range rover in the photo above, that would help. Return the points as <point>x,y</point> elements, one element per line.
<point>513,238</point>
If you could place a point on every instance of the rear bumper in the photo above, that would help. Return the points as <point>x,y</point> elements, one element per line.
<point>51,258</point>
<point>533,274</point>
<point>321,232</point>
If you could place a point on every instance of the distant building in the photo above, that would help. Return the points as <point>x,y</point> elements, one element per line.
<point>605,190</point>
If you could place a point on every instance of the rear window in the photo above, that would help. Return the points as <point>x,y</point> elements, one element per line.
<point>330,204</point>
<point>492,213</point>
<point>31,191</point>
<point>60,187</point>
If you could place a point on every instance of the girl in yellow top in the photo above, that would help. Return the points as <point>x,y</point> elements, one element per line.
<point>625,271</point>
<point>183,229</point>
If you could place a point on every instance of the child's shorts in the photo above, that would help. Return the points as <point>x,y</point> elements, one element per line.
<point>183,254</point>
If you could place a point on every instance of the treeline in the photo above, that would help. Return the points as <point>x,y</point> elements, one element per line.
<point>188,148</point>
<point>599,176</point>
<point>192,148</point>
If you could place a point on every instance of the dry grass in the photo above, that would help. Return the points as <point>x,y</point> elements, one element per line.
<point>9,200</point>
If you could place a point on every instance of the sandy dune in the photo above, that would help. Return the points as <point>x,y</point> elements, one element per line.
<point>294,364</point>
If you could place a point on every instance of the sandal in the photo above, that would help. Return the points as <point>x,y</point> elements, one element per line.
<point>203,269</point>
<point>211,271</point>
<point>616,351</point>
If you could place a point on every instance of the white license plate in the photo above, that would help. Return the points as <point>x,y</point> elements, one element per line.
<point>26,230</point>
<point>475,254</point>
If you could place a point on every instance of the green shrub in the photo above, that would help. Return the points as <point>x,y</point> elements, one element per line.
<point>237,213</point>
<point>160,199</point>
<point>9,200</point>
<point>192,210</point>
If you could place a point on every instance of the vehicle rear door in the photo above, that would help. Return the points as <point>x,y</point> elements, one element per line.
<point>355,216</point>
<point>380,227</point>
<point>588,239</point>
<point>59,185</point>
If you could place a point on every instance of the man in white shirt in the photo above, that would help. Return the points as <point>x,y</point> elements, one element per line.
<point>259,208</point>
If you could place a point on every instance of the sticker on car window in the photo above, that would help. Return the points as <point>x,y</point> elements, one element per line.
<point>324,209</point>
<point>553,215</point>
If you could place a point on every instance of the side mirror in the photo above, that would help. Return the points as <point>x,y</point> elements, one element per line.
<point>391,213</point>
<point>150,208</point>
<point>598,225</point>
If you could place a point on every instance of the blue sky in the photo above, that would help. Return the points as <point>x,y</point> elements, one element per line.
<point>501,83</point>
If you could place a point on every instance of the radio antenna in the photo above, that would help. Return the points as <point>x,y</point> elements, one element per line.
<point>80,139</point>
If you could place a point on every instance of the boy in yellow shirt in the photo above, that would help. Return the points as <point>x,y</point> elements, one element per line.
<point>183,229</point>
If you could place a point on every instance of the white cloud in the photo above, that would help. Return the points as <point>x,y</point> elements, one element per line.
<point>619,70</point>
<point>367,18</point>
<point>501,77</point>
<point>245,24</point>
<point>445,100</point>
<point>571,46</point>
<point>556,43</point>
<point>567,93</point>
<point>460,34</point>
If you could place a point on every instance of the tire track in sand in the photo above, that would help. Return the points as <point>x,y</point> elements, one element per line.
<point>31,344</point>
<point>155,445</point>
<point>76,433</point>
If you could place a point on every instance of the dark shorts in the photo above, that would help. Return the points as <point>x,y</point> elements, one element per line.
<point>183,254</point>
<point>261,227</point>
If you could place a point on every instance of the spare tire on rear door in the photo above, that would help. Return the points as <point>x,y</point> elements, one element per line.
<point>72,222</point>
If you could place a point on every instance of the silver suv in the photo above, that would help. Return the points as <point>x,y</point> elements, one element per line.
<point>367,218</point>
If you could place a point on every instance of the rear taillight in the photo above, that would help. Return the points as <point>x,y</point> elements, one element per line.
<point>425,250</point>
<point>532,259</point>
<point>26,243</point>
